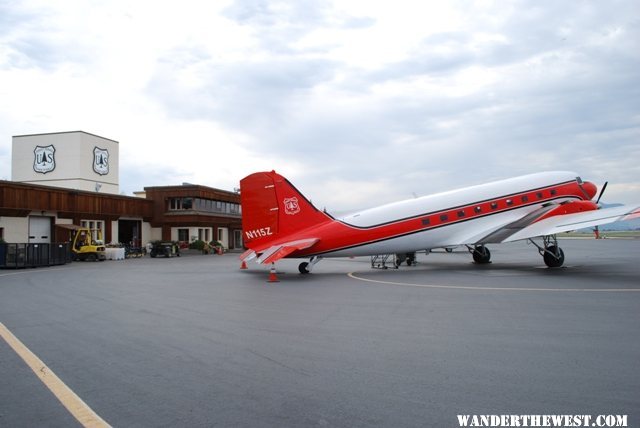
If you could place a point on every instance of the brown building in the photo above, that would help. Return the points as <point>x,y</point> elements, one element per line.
<point>64,178</point>
<point>29,213</point>
<point>190,211</point>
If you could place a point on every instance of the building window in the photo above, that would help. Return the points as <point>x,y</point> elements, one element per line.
<point>204,205</point>
<point>203,234</point>
<point>237,241</point>
<point>181,204</point>
<point>183,235</point>
<point>96,227</point>
<point>2,233</point>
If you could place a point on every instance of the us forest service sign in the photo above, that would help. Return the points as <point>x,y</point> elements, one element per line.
<point>291,206</point>
<point>101,161</point>
<point>44,159</point>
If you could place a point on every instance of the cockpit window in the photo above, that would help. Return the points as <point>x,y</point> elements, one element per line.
<point>579,180</point>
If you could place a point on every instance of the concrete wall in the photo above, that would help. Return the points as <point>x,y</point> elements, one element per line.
<point>150,233</point>
<point>67,159</point>
<point>16,229</point>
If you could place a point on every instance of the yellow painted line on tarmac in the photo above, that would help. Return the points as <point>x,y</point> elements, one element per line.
<point>466,287</point>
<point>74,404</point>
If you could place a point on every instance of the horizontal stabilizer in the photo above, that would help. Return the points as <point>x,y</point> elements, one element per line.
<point>276,252</point>
<point>248,255</point>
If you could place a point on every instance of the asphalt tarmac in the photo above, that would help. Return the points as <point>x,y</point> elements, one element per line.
<point>195,341</point>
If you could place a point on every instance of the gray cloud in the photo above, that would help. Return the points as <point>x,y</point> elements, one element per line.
<point>566,94</point>
<point>253,96</point>
<point>36,39</point>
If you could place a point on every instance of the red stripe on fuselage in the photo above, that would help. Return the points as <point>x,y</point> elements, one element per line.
<point>337,235</point>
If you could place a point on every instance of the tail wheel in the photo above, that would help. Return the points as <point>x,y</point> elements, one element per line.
<point>553,256</point>
<point>303,267</point>
<point>481,255</point>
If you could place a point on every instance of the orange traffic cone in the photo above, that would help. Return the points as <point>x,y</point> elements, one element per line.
<point>272,274</point>
<point>243,265</point>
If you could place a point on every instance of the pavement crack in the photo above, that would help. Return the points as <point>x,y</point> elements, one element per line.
<point>293,369</point>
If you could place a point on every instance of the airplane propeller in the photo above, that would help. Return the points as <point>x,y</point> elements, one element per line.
<point>601,192</point>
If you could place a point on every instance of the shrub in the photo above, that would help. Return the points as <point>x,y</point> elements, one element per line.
<point>197,245</point>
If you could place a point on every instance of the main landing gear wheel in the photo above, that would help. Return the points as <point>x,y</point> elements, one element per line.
<point>303,267</point>
<point>481,255</point>
<point>553,256</point>
<point>409,258</point>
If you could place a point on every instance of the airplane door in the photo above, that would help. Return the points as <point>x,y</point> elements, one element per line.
<point>39,230</point>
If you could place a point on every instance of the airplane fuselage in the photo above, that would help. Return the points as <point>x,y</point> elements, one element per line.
<point>443,219</point>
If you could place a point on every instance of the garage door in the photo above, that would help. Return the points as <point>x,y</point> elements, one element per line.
<point>39,230</point>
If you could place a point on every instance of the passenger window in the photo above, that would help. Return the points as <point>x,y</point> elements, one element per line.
<point>553,192</point>
<point>444,217</point>
<point>460,213</point>
<point>509,202</point>
<point>539,195</point>
<point>525,198</point>
<point>494,205</point>
<point>425,221</point>
<point>478,209</point>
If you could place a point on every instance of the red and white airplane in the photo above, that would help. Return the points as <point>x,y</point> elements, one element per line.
<point>278,221</point>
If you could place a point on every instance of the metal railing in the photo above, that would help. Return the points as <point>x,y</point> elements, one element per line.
<point>13,256</point>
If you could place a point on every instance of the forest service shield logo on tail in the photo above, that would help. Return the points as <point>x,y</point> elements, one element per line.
<point>291,206</point>
<point>44,159</point>
<point>101,161</point>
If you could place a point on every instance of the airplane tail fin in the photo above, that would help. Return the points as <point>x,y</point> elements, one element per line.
<point>273,209</point>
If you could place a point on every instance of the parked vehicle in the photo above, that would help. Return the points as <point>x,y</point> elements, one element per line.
<point>164,248</point>
<point>87,244</point>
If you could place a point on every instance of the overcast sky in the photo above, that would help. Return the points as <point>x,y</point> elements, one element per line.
<point>356,102</point>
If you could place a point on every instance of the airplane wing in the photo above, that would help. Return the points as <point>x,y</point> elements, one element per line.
<point>581,220</point>
<point>278,251</point>
<point>536,224</point>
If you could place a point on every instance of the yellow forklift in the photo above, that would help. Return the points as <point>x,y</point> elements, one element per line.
<point>86,244</point>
